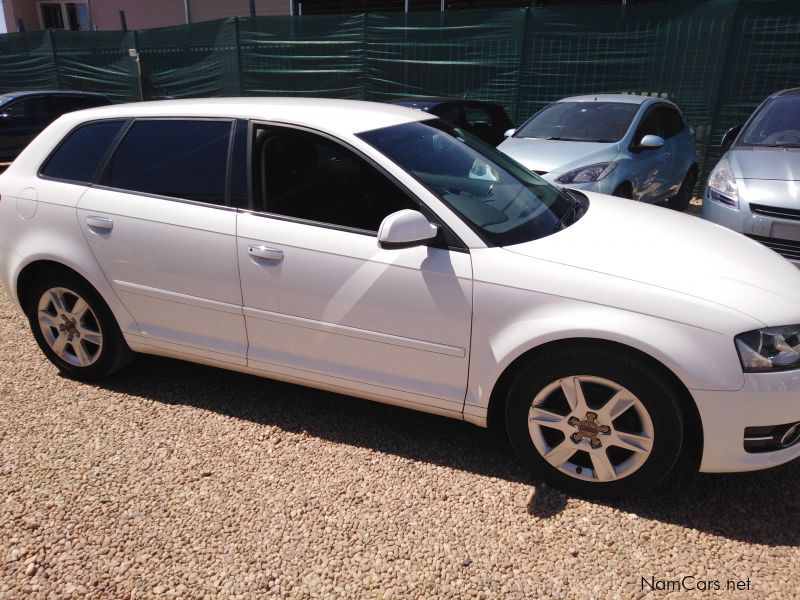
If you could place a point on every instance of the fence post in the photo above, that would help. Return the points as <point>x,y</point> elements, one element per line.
<point>522,45</point>
<point>719,76</point>
<point>238,56</point>
<point>54,54</point>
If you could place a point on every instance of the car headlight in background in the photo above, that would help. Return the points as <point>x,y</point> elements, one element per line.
<point>771,349</point>
<point>722,185</point>
<point>587,173</point>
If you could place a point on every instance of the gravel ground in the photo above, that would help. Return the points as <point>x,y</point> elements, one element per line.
<point>185,481</point>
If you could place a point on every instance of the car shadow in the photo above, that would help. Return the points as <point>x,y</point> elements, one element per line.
<point>759,507</point>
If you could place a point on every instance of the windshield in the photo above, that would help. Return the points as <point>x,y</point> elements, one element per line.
<point>580,122</point>
<point>776,124</point>
<point>501,200</point>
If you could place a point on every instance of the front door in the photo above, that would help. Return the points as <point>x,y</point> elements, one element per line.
<point>323,302</point>
<point>160,229</point>
<point>651,182</point>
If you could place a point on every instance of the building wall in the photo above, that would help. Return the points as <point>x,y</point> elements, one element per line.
<point>139,14</point>
<point>27,10</point>
<point>143,14</point>
<point>209,10</point>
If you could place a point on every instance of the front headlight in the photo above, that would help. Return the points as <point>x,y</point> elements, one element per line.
<point>722,185</point>
<point>771,349</point>
<point>587,173</point>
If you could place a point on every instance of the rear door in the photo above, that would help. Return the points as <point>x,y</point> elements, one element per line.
<point>323,302</point>
<point>161,226</point>
<point>680,145</point>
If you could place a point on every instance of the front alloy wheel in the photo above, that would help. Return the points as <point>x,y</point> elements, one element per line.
<point>609,442</point>
<point>597,421</point>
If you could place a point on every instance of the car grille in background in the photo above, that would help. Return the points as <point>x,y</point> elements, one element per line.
<point>786,248</point>
<point>775,212</point>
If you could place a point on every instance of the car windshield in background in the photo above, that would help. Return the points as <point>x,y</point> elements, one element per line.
<point>503,202</point>
<point>776,124</point>
<point>580,122</point>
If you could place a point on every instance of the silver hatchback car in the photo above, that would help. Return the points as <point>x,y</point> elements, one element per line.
<point>635,147</point>
<point>755,187</point>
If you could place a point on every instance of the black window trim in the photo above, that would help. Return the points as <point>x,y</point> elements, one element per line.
<point>424,209</point>
<point>101,164</point>
<point>117,141</point>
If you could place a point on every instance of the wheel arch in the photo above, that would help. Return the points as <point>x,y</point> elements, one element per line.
<point>693,443</point>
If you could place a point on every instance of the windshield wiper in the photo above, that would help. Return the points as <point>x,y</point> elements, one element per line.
<point>572,214</point>
<point>564,139</point>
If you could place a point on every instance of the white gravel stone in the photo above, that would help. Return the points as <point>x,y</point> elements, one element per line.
<point>185,481</point>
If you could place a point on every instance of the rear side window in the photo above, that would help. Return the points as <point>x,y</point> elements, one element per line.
<point>80,154</point>
<point>177,158</point>
<point>65,104</point>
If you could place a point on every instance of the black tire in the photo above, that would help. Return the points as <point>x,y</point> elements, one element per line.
<point>623,190</point>
<point>647,384</point>
<point>108,357</point>
<point>681,200</point>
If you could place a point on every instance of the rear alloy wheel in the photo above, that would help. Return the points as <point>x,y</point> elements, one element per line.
<point>74,327</point>
<point>597,425</point>
<point>681,200</point>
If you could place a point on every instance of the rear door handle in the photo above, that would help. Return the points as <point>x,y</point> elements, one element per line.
<point>265,252</point>
<point>96,222</point>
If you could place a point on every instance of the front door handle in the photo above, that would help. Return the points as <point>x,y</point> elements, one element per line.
<point>96,222</point>
<point>265,252</point>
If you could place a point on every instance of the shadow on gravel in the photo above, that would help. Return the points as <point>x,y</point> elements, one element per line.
<point>760,507</point>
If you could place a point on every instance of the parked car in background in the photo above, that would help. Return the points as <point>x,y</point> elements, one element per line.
<point>24,114</point>
<point>634,147</point>
<point>384,253</point>
<point>486,120</point>
<point>755,187</point>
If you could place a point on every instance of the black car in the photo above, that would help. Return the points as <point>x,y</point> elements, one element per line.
<point>24,114</point>
<point>487,120</point>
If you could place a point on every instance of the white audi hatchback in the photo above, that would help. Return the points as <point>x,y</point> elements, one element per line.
<point>376,251</point>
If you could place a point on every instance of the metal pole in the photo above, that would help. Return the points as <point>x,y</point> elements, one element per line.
<point>291,8</point>
<point>186,11</point>
<point>20,25</point>
<point>123,23</point>
<point>441,6</point>
<point>252,8</point>
<point>406,6</point>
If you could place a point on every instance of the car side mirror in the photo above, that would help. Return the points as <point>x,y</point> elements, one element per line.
<point>509,132</point>
<point>729,136</point>
<point>650,142</point>
<point>404,229</point>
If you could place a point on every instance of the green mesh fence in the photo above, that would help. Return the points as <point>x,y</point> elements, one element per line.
<point>717,59</point>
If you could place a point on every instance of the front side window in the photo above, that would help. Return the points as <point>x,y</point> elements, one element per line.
<point>79,155</point>
<point>777,124</point>
<point>672,122</point>
<point>581,122</point>
<point>178,158</point>
<point>500,199</point>
<point>307,176</point>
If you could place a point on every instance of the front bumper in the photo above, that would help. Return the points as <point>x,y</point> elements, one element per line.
<point>767,399</point>
<point>779,234</point>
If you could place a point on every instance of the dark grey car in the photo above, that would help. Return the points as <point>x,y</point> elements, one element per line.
<point>24,114</point>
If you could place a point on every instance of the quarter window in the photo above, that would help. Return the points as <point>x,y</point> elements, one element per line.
<point>178,158</point>
<point>79,156</point>
<point>307,176</point>
<point>672,122</point>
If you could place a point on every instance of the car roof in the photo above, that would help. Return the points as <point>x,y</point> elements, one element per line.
<point>624,98</point>
<point>339,116</point>
<point>22,94</point>
<point>789,92</point>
